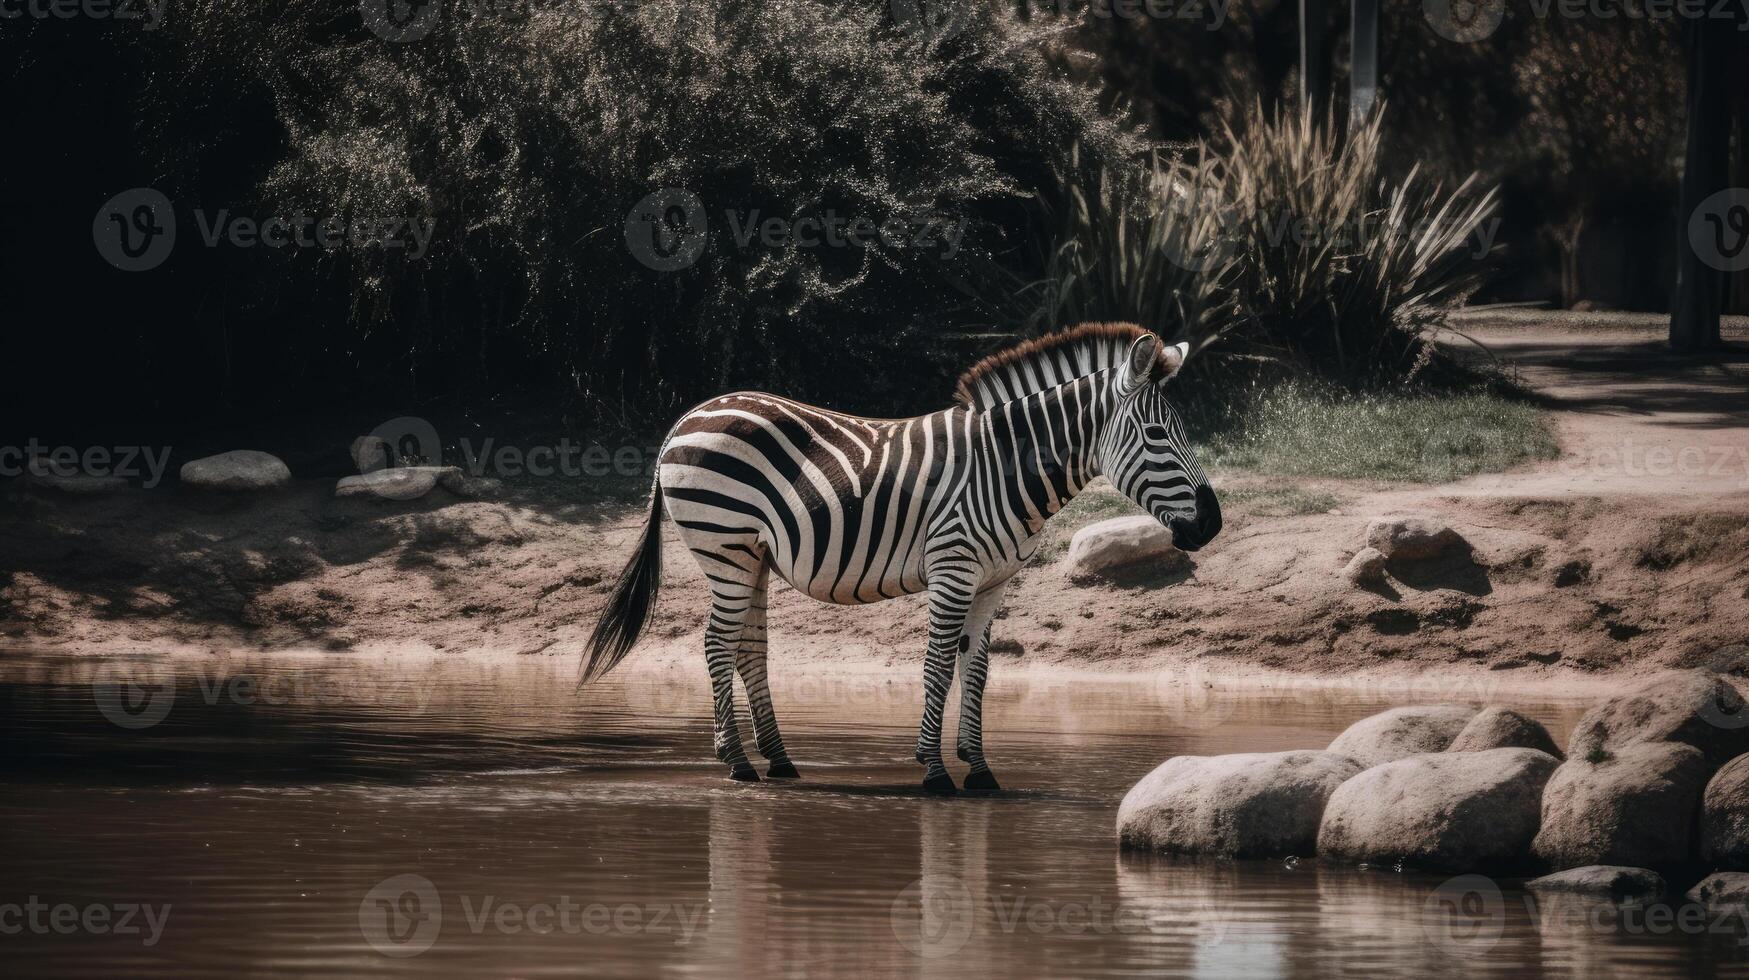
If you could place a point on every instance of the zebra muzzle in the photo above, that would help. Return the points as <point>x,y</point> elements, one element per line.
<point>1190,534</point>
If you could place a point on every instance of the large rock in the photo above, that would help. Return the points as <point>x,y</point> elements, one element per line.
<point>395,483</point>
<point>237,470</point>
<point>1252,805</point>
<point>1724,817</point>
<point>1402,732</point>
<point>1602,880</point>
<point>1123,543</point>
<point>1726,890</point>
<point>1691,707</point>
<point>1635,807</point>
<point>1412,538</point>
<point>1503,728</point>
<point>1456,811</point>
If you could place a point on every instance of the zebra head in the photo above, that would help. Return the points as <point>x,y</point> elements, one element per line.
<point>1145,453</point>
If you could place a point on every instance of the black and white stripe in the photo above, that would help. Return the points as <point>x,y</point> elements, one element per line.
<point>853,510</point>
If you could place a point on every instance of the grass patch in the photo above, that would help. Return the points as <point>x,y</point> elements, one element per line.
<point>1280,501</point>
<point>1300,430</point>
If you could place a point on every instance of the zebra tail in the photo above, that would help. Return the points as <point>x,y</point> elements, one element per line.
<point>634,595</point>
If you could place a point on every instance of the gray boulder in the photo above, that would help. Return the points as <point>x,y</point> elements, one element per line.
<point>1367,567</point>
<point>1455,811</point>
<point>1503,728</point>
<point>1402,732</point>
<point>1724,817</point>
<point>1602,880</point>
<point>1412,538</point>
<point>236,471</point>
<point>1691,707</point>
<point>1123,543</point>
<point>1635,807</point>
<point>1723,890</point>
<point>395,483</point>
<point>1251,805</point>
<point>370,453</point>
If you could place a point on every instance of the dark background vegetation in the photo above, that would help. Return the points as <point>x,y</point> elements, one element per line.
<point>528,138</point>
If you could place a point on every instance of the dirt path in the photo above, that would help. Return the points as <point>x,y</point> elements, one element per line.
<point>1581,566</point>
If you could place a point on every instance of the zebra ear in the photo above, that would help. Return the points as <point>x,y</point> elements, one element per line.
<point>1143,362</point>
<point>1174,357</point>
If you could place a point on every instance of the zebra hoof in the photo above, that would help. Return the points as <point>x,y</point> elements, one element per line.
<point>939,785</point>
<point>984,780</point>
<point>782,770</point>
<point>744,772</point>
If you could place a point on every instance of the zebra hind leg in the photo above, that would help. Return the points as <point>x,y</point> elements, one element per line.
<point>722,637</point>
<point>750,662</point>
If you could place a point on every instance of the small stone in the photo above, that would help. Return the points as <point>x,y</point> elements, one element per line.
<point>1402,732</point>
<point>1367,567</point>
<point>395,483</point>
<point>1125,543</point>
<point>1614,881</point>
<point>1412,538</point>
<point>236,471</point>
<point>1502,728</point>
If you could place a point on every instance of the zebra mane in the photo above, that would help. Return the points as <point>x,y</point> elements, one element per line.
<point>1046,362</point>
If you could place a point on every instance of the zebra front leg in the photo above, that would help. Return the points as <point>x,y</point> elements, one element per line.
<point>750,662</point>
<point>949,603</point>
<point>722,637</point>
<point>974,660</point>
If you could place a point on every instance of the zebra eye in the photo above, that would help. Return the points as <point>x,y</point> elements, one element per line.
<point>1154,433</point>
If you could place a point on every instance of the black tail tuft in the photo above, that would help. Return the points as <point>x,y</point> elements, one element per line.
<point>633,597</point>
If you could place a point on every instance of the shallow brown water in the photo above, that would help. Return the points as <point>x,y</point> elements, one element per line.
<point>478,818</point>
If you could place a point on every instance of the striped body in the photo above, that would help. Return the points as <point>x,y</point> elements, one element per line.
<point>852,510</point>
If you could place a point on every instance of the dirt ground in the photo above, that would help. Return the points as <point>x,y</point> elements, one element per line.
<point>1630,551</point>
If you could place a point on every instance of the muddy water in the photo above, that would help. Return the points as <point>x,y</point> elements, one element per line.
<point>480,819</point>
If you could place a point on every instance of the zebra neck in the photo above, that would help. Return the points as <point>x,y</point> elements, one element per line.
<point>1045,445</point>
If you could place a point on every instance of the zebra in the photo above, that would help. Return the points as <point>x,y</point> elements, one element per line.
<point>852,510</point>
